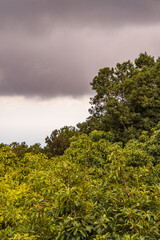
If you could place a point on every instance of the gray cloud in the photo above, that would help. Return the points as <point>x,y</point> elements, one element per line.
<point>38,14</point>
<point>52,48</point>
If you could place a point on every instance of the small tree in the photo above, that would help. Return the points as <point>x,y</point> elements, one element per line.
<point>59,141</point>
<point>19,149</point>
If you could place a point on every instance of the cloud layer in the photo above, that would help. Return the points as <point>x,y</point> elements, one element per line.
<point>55,47</point>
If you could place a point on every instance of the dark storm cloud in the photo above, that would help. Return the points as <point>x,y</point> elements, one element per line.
<point>40,13</point>
<point>50,48</point>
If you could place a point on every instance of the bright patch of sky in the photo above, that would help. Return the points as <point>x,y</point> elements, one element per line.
<point>31,121</point>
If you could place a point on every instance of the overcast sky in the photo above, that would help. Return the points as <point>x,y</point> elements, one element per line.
<point>50,50</point>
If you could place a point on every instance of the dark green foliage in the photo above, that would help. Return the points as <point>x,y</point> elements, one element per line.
<point>127,99</point>
<point>2,145</point>
<point>152,145</point>
<point>35,149</point>
<point>59,141</point>
<point>20,149</point>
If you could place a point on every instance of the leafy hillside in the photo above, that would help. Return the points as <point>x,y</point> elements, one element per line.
<point>96,190</point>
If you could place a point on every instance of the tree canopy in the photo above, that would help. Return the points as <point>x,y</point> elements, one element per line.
<point>127,99</point>
<point>59,140</point>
